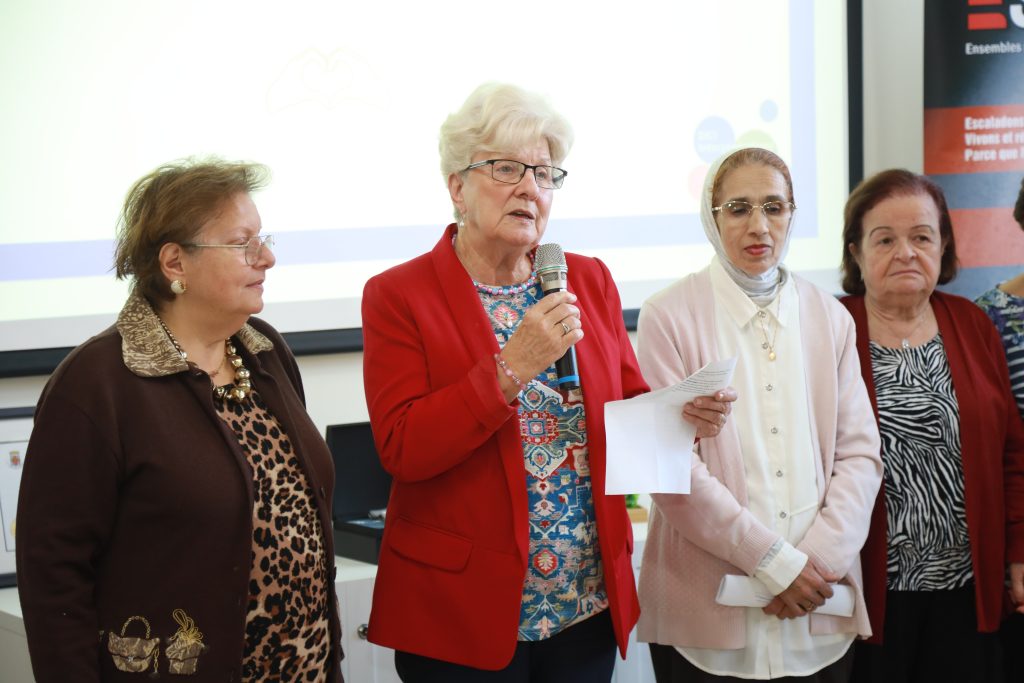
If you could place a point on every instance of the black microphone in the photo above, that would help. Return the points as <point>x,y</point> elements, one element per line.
<point>553,274</point>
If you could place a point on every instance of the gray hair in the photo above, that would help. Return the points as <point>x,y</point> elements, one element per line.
<point>498,117</point>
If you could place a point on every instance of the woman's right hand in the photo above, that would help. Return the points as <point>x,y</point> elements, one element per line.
<point>545,333</point>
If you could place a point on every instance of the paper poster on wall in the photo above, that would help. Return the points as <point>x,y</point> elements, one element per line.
<point>14,433</point>
<point>13,453</point>
<point>974,128</point>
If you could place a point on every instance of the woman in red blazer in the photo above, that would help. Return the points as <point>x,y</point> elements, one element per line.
<point>502,558</point>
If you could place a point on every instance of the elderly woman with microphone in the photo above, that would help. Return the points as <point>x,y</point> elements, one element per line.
<point>502,558</point>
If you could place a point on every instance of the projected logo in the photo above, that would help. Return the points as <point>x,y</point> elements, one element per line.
<point>982,20</point>
<point>327,80</point>
<point>716,135</point>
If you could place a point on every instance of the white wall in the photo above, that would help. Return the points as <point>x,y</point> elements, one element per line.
<point>334,388</point>
<point>893,101</point>
<point>893,85</point>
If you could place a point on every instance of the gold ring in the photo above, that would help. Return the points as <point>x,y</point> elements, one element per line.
<point>564,327</point>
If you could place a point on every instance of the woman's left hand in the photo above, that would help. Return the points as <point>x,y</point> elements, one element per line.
<point>709,413</point>
<point>809,591</point>
<point>1017,586</point>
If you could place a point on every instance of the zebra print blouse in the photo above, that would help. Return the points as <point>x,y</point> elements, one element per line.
<point>919,422</point>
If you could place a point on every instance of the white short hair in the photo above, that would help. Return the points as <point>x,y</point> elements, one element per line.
<point>498,117</point>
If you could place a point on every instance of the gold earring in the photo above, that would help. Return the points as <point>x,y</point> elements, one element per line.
<point>178,287</point>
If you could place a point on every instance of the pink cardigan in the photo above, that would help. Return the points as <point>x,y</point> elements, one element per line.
<point>695,539</point>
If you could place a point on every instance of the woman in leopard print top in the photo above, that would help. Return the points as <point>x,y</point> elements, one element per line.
<point>177,495</point>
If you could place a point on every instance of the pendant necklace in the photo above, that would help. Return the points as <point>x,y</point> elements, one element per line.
<point>905,341</point>
<point>768,346</point>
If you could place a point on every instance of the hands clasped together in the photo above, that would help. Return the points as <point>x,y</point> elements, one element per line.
<point>809,591</point>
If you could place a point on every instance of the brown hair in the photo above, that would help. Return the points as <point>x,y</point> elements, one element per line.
<point>751,155</point>
<point>871,192</point>
<point>172,204</point>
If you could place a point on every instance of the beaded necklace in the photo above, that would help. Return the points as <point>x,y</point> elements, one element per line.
<point>507,290</point>
<point>242,387</point>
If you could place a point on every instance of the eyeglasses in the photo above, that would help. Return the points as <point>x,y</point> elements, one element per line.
<point>737,211</point>
<point>253,248</point>
<point>511,172</point>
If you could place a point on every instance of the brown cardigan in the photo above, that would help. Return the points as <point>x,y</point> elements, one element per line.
<point>136,499</point>
<point>992,447</point>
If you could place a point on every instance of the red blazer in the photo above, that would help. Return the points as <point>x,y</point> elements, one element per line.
<point>453,560</point>
<point>992,446</point>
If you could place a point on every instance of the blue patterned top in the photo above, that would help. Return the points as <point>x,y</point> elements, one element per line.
<point>1007,312</point>
<point>564,579</point>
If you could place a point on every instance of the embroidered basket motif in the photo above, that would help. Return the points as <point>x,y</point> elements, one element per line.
<point>184,646</point>
<point>131,653</point>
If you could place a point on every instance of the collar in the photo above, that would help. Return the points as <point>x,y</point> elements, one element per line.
<point>147,350</point>
<point>739,307</point>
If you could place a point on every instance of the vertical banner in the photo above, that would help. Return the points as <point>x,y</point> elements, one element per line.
<point>974,128</point>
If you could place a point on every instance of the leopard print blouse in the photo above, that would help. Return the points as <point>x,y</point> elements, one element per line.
<point>287,628</point>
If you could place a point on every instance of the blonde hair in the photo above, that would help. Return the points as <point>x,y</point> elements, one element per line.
<point>498,117</point>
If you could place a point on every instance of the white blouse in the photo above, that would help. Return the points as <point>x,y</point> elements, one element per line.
<point>772,417</point>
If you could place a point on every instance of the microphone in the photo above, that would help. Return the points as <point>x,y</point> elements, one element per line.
<point>553,274</point>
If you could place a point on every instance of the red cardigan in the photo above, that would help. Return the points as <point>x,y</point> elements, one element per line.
<point>454,555</point>
<point>992,447</point>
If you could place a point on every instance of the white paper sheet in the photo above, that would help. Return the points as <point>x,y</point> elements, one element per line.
<point>649,444</point>
<point>746,591</point>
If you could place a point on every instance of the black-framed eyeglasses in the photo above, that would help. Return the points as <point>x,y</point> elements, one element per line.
<point>511,172</point>
<point>253,248</point>
<point>775,211</point>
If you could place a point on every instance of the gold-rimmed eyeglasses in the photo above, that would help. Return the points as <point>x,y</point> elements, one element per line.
<point>511,172</point>
<point>253,248</point>
<point>737,211</point>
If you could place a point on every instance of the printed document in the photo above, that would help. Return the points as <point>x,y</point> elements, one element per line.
<point>650,445</point>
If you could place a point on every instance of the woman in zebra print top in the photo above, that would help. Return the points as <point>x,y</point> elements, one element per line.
<point>950,516</point>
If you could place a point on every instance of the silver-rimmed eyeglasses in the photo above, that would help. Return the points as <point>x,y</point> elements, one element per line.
<point>253,248</point>
<point>511,172</point>
<point>738,211</point>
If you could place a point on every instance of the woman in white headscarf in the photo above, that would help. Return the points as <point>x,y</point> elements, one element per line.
<point>784,494</point>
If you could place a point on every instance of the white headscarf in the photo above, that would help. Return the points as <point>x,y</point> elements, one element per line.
<point>762,288</point>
